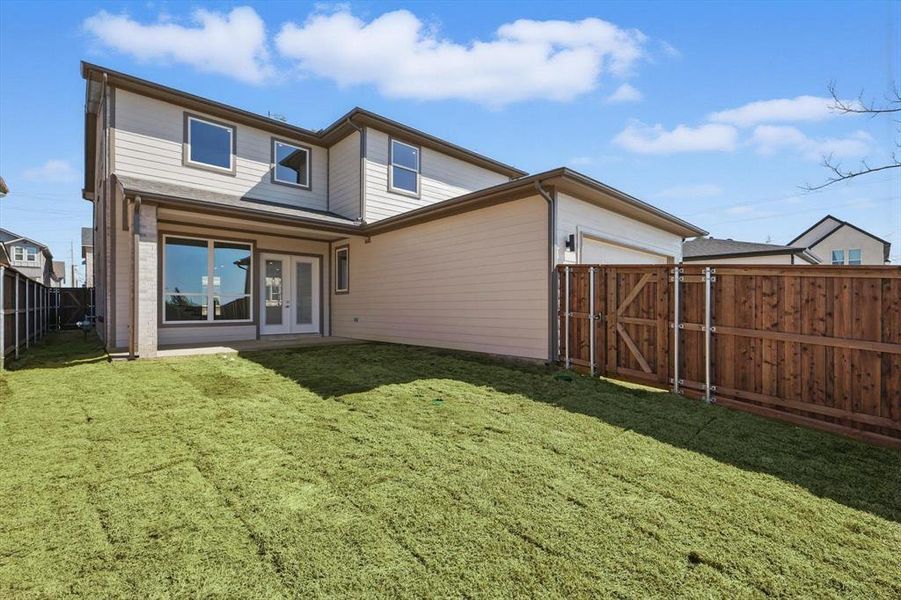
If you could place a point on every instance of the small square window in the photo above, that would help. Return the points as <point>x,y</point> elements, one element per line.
<point>854,256</point>
<point>838,257</point>
<point>342,270</point>
<point>18,253</point>
<point>291,164</point>
<point>210,144</point>
<point>404,169</point>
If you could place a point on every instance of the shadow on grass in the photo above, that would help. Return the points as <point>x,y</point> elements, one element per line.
<point>60,349</point>
<point>860,476</point>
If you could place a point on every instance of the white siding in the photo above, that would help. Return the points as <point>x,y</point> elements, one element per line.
<point>442,177</point>
<point>846,238</point>
<point>595,224</point>
<point>476,281</point>
<point>148,144</point>
<point>344,177</point>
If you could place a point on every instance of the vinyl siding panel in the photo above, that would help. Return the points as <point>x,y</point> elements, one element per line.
<point>442,177</point>
<point>148,143</point>
<point>588,221</point>
<point>476,281</point>
<point>344,177</point>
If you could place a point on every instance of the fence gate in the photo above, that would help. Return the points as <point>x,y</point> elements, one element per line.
<point>73,304</point>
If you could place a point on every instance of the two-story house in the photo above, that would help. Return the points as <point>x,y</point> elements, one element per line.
<point>214,224</point>
<point>837,242</point>
<point>29,257</point>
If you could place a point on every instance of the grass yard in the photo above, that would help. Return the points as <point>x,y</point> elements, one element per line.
<point>383,470</point>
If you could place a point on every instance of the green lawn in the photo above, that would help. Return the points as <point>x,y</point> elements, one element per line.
<point>392,471</point>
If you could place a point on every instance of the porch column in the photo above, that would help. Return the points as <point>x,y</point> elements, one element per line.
<point>146,284</point>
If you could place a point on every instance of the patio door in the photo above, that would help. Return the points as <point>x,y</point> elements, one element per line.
<point>290,294</point>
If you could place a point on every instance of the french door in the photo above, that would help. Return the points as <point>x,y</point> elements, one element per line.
<point>290,294</point>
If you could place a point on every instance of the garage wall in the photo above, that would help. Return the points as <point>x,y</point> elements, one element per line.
<point>600,233</point>
<point>772,259</point>
<point>475,281</point>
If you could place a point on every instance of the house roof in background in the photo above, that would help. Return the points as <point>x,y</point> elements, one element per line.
<point>4,189</point>
<point>886,245</point>
<point>719,248</point>
<point>59,270</point>
<point>87,236</point>
<point>8,237</point>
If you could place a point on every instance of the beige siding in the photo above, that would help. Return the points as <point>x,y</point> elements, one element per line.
<point>476,281</point>
<point>344,177</point>
<point>122,273</point>
<point>816,233</point>
<point>148,143</point>
<point>442,177</point>
<point>845,238</point>
<point>629,238</point>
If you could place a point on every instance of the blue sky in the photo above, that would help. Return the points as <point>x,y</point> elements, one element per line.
<point>713,112</point>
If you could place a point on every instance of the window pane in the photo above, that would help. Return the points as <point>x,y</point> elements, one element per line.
<point>181,307</point>
<point>272,295</point>
<point>210,144</point>
<point>838,257</point>
<point>854,256</point>
<point>342,277</point>
<point>231,308</point>
<point>231,269</point>
<point>291,164</point>
<point>185,266</point>
<point>403,179</point>
<point>405,156</point>
<point>304,291</point>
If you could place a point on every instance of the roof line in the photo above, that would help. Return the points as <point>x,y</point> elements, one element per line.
<point>812,227</point>
<point>321,136</point>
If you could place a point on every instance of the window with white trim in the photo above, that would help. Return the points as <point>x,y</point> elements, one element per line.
<point>342,270</point>
<point>210,144</point>
<point>854,257</point>
<point>403,172</point>
<point>206,280</point>
<point>290,164</point>
<point>838,257</point>
<point>18,253</point>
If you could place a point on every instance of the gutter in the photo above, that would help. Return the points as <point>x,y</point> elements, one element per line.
<point>551,200</point>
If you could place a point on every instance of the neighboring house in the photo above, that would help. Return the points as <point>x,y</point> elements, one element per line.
<point>838,242</point>
<point>29,257</point>
<point>87,255</point>
<point>58,277</point>
<point>716,251</point>
<point>214,224</point>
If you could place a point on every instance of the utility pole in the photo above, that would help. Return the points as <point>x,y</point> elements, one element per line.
<point>74,282</point>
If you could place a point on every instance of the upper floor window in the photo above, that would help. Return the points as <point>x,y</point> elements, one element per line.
<point>209,144</point>
<point>290,164</point>
<point>25,253</point>
<point>838,257</point>
<point>854,256</point>
<point>403,176</point>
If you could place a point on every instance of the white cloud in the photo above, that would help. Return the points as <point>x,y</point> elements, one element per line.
<point>647,139</point>
<point>741,209</point>
<point>54,171</point>
<point>581,161</point>
<point>782,110</point>
<point>231,44</point>
<point>771,139</point>
<point>397,53</point>
<point>624,93</point>
<point>700,190</point>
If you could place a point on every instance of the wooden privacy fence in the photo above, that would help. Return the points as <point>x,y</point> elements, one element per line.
<point>28,310</point>
<point>814,345</point>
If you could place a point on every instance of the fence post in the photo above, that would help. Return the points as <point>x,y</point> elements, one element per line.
<point>567,317</point>
<point>17,315</point>
<point>27,315</point>
<point>708,333</point>
<point>677,325</point>
<point>591,318</point>
<point>2,317</point>
<point>39,306</point>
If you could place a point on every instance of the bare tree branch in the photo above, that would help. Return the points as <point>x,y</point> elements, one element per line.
<point>893,103</point>
<point>839,174</point>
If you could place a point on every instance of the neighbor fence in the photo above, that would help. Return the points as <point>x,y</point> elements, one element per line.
<point>29,310</point>
<point>814,345</point>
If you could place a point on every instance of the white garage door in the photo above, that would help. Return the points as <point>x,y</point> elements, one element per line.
<point>605,253</point>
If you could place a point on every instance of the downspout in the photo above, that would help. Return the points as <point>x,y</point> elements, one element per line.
<point>362,132</point>
<point>135,240</point>
<point>551,278</point>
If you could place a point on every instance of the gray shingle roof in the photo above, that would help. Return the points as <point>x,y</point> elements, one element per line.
<point>718,247</point>
<point>87,236</point>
